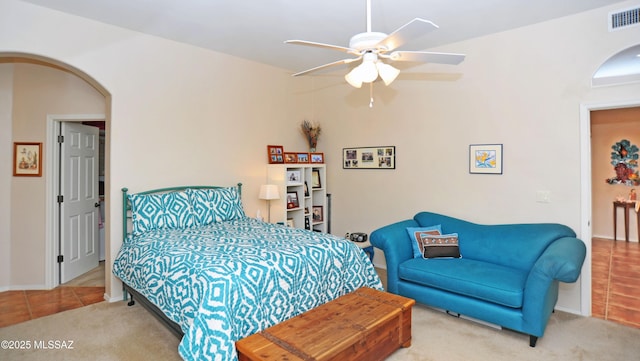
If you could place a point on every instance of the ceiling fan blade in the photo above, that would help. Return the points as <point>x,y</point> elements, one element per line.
<point>339,62</point>
<point>411,30</point>
<point>427,57</point>
<point>321,45</point>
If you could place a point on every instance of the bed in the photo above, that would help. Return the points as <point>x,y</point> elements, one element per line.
<point>215,276</point>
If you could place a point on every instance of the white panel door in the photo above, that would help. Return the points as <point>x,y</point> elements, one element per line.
<point>79,210</point>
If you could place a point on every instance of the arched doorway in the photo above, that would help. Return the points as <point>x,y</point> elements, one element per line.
<point>43,186</point>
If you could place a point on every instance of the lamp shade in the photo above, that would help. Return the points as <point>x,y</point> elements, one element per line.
<point>269,192</point>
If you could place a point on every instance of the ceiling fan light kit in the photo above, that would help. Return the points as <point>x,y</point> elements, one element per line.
<point>371,47</point>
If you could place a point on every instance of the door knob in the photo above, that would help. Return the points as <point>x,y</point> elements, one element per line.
<point>97,205</point>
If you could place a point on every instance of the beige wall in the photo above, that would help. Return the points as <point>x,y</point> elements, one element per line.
<point>607,128</point>
<point>184,115</point>
<point>6,101</point>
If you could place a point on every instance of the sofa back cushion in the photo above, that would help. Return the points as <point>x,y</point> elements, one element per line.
<point>511,245</point>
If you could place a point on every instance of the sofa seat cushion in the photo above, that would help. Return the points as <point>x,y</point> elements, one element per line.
<point>477,279</point>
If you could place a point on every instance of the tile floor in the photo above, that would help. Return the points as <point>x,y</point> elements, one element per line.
<point>616,281</point>
<point>20,306</point>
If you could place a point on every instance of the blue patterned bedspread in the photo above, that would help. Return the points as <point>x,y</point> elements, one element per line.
<point>226,281</point>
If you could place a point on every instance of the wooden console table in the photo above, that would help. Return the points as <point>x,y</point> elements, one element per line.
<point>626,206</point>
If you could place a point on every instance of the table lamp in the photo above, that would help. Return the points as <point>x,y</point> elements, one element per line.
<point>269,192</point>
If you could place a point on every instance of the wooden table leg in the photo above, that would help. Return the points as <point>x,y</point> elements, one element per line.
<point>626,224</point>
<point>615,221</point>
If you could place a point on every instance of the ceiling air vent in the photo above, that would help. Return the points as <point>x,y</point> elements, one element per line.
<point>624,18</point>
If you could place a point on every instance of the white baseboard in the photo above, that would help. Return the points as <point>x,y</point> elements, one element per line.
<point>25,288</point>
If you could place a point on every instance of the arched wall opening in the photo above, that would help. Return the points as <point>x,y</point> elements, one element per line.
<point>46,182</point>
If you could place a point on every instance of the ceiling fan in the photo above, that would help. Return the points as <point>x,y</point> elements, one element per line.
<point>374,47</point>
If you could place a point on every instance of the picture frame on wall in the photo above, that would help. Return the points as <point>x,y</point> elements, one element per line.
<point>485,158</point>
<point>27,159</point>
<point>275,153</point>
<point>383,157</point>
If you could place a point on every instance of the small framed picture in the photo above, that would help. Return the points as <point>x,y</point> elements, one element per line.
<point>485,158</point>
<point>318,215</point>
<point>292,200</point>
<point>290,223</point>
<point>27,159</point>
<point>275,153</point>
<point>317,157</point>
<point>315,179</point>
<point>290,157</point>
<point>294,177</point>
<point>302,157</point>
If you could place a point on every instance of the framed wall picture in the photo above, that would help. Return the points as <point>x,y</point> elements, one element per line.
<point>275,153</point>
<point>315,179</point>
<point>317,157</point>
<point>317,214</point>
<point>292,200</point>
<point>369,158</point>
<point>485,158</point>
<point>27,159</point>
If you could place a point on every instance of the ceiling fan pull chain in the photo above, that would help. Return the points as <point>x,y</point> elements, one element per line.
<point>371,95</point>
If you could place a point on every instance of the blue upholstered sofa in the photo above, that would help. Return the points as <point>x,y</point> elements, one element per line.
<point>507,274</point>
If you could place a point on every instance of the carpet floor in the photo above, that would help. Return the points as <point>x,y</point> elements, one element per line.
<point>113,331</point>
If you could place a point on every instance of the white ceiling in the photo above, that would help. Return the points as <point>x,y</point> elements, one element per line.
<point>257,29</point>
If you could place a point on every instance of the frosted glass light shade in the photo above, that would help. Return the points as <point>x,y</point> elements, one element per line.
<point>387,72</point>
<point>353,78</point>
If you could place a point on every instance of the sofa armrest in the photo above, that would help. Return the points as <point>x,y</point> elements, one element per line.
<point>561,261</point>
<point>394,241</point>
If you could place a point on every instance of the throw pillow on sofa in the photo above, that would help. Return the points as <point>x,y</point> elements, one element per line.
<point>415,234</point>
<point>437,246</point>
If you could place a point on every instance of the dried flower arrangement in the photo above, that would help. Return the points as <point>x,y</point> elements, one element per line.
<point>311,131</point>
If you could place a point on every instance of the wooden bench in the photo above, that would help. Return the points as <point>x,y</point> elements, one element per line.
<point>363,325</point>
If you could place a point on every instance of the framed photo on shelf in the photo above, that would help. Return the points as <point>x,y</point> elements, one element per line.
<point>27,159</point>
<point>317,158</point>
<point>275,153</point>
<point>369,158</point>
<point>294,177</point>
<point>485,158</point>
<point>317,214</point>
<point>315,179</point>
<point>290,157</point>
<point>302,157</point>
<point>292,200</point>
